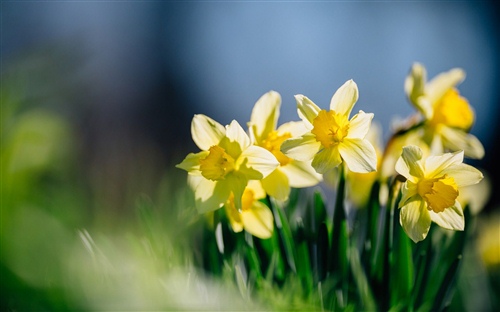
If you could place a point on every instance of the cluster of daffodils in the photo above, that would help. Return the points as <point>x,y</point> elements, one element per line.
<point>235,168</point>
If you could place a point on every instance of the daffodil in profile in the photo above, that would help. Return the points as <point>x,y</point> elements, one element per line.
<point>225,164</point>
<point>447,115</point>
<point>331,137</point>
<point>431,190</point>
<point>265,133</point>
<point>254,216</point>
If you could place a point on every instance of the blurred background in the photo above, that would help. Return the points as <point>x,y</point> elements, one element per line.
<point>97,97</point>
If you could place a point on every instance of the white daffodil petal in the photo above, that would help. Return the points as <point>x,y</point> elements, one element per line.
<point>209,195</point>
<point>265,114</point>
<point>234,217</point>
<point>192,162</point>
<point>235,133</point>
<point>424,105</point>
<point>276,184</point>
<point>206,132</point>
<point>359,125</point>
<point>301,174</point>
<point>258,220</point>
<point>326,159</point>
<point>439,85</point>
<point>294,128</point>
<point>303,148</point>
<point>415,82</point>
<point>344,98</point>
<point>306,109</point>
<point>409,191</point>
<point>451,218</point>
<point>359,155</point>
<point>434,165</point>
<point>408,165</point>
<point>256,187</point>
<point>457,139</point>
<point>463,174</point>
<point>415,220</point>
<point>256,162</point>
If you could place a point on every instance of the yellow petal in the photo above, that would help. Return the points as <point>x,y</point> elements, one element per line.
<point>344,98</point>
<point>276,184</point>
<point>257,189</point>
<point>408,165</point>
<point>457,139</point>
<point>439,85</point>
<point>451,218</point>
<point>434,165</point>
<point>301,174</point>
<point>256,162</point>
<point>359,125</point>
<point>359,155</point>
<point>326,159</point>
<point>265,115</point>
<point>303,148</point>
<point>192,162</point>
<point>234,216</point>
<point>415,220</point>
<point>306,109</point>
<point>258,221</point>
<point>235,183</point>
<point>206,132</point>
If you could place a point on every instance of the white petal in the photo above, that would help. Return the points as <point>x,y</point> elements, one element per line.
<point>301,174</point>
<point>257,189</point>
<point>463,174</point>
<point>256,162</point>
<point>326,159</point>
<point>415,82</point>
<point>276,184</point>
<point>265,114</point>
<point>294,128</point>
<point>439,85</point>
<point>206,132</point>
<point>457,139</point>
<point>434,165</point>
<point>451,218</point>
<point>235,133</point>
<point>303,148</point>
<point>344,98</point>
<point>415,219</point>
<point>258,221</point>
<point>409,190</point>
<point>192,162</point>
<point>209,195</point>
<point>359,155</point>
<point>359,125</point>
<point>408,165</point>
<point>306,109</point>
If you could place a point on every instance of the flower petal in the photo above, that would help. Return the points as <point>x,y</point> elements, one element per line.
<point>439,85</point>
<point>256,162</point>
<point>457,139</point>
<point>295,128</point>
<point>434,165</point>
<point>409,190</point>
<point>258,221</point>
<point>415,82</point>
<point>359,155</point>
<point>344,98</point>
<point>235,133</point>
<point>326,159</point>
<point>408,165</point>
<point>209,195</point>
<point>359,125</point>
<point>265,115</point>
<point>415,219</point>
<point>463,174</point>
<point>206,132</point>
<point>192,162</point>
<point>451,218</point>
<point>303,148</point>
<point>276,184</point>
<point>306,109</point>
<point>301,174</point>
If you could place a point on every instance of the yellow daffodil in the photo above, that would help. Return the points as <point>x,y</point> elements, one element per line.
<point>254,216</point>
<point>431,190</point>
<point>226,163</point>
<point>332,138</point>
<point>448,116</point>
<point>265,133</point>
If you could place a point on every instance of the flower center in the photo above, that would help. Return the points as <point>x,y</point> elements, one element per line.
<point>330,128</point>
<point>454,111</point>
<point>273,143</point>
<point>439,193</point>
<point>217,164</point>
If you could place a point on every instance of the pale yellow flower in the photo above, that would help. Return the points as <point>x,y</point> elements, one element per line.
<point>448,116</point>
<point>431,190</point>
<point>265,133</point>
<point>254,216</point>
<point>332,138</point>
<point>226,163</point>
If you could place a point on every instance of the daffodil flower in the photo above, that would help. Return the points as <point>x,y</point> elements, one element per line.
<point>431,190</point>
<point>226,163</point>
<point>332,138</point>
<point>448,116</point>
<point>264,132</point>
<point>254,216</point>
